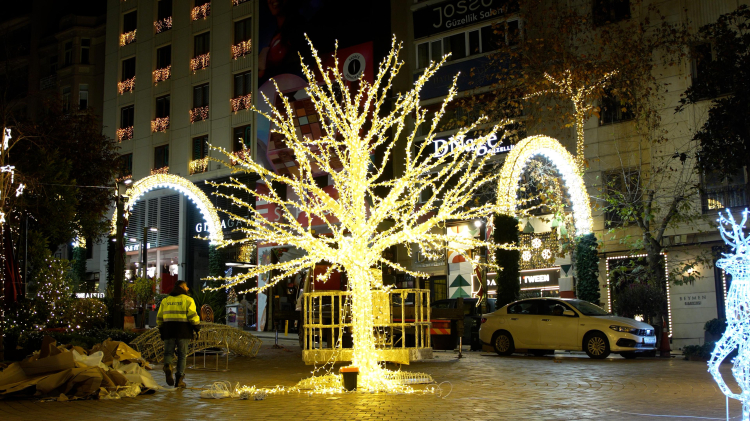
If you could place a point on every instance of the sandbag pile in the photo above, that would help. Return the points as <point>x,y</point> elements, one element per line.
<point>110,370</point>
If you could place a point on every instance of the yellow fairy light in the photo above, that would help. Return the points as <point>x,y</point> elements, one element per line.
<point>201,12</point>
<point>551,149</point>
<point>160,124</point>
<point>126,85</point>
<point>241,49</point>
<point>162,170</point>
<point>127,38</point>
<point>163,25</point>
<point>241,103</point>
<point>356,123</point>
<point>198,166</point>
<point>163,74</point>
<point>200,62</point>
<point>125,133</point>
<point>181,185</point>
<point>199,114</point>
<point>238,2</point>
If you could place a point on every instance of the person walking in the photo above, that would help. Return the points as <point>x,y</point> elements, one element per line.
<point>177,321</point>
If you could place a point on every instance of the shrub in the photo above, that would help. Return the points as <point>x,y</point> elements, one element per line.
<point>587,269</point>
<point>639,299</point>
<point>86,313</point>
<point>715,327</point>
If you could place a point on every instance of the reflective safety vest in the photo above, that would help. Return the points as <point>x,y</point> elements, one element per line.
<point>178,308</point>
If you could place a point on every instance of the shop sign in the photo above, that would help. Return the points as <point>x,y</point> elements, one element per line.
<point>135,246</point>
<point>89,295</point>
<point>492,146</point>
<point>230,223</point>
<point>692,300</point>
<point>540,278</point>
<point>455,14</point>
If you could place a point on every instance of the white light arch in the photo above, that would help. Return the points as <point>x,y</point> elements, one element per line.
<point>550,148</point>
<point>182,185</point>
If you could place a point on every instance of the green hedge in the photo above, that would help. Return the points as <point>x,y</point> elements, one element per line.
<point>508,285</point>
<point>587,269</point>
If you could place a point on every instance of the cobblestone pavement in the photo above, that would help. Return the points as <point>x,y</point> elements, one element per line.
<point>484,387</point>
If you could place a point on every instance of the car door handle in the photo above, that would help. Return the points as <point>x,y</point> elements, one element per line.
<point>545,320</point>
<point>514,318</point>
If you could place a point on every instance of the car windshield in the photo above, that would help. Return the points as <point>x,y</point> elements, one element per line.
<point>587,308</point>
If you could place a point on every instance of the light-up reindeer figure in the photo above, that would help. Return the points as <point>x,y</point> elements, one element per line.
<point>737,311</point>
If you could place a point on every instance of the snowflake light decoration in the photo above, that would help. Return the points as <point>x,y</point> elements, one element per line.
<point>737,311</point>
<point>526,255</point>
<point>536,243</point>
<point>546,254</point>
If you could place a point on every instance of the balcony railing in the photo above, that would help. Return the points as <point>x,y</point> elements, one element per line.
<point>125,133</point>
<point>201,12</point>
<point>162,170</point>
<point>238,2</point>
<point>198,165</point>
<point>241,103</point>
<point>243,154</point>
<point>725,197</point>
<point>160,124</point>
<point>127,38</point>
<point>126,85</point>
<point>161,75</point>
<point>200,62</point>
<point>47,82</point>
<point>199,114</point>
<point>163,24</point>
<point>241,49</point>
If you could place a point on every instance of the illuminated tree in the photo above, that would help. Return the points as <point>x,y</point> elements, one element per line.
<point>363,224</point>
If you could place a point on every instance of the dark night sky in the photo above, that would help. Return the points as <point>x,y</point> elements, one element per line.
<point>55,7</point>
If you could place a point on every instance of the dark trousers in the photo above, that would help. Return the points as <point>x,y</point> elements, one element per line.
<point>181,346</point>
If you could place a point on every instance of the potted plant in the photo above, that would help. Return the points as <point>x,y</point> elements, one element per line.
<point>714,329</point>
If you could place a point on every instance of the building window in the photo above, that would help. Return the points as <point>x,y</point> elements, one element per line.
<point>161,157</point>
<point>243,86</point>
<point>85,51</point>
<point>127,81</point>
<point>613,110</point>
<point>199,163</point>
<point>127,119</point>
<point>242,34</point>
<point>129,22</point>
<point>201,51</point>
<point>66,99</point>
<point>68,55</point>
<point>469,43</point>
<point>163,64</point>
<point>161,122</point>
<point>720,191</point>
<point>164,10</point>
<point>703,58</point>
<point>83,96</point>
<point>610,11</point>
<point>200,103</point>
<point>622,191</point>
<point>241,143</point>
<point>126,165</point>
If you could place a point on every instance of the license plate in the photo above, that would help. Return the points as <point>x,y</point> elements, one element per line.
<point>649,340</point>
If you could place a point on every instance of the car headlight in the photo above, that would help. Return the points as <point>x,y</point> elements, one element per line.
<point>626,329</point>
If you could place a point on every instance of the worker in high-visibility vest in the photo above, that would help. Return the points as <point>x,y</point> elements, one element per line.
<point>177,321</point>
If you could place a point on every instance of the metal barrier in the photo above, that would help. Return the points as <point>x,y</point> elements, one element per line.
<point>398,315</point>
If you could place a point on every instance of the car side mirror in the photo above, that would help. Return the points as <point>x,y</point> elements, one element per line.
<point>569,313</point>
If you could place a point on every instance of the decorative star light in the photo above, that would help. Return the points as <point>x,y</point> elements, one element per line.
<point>737,311</point>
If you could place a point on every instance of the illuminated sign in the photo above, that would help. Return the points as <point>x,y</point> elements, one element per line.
<point>492,147</point>
<point>231,223</point>
<point>533,279</point>
<point>540,278</point>
<point>450,14</point>
<point>89,295</point>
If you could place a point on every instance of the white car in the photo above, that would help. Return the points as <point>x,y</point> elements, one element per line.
<point>542,325</point>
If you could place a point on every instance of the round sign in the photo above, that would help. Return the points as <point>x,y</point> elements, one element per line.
<point>354,66</point>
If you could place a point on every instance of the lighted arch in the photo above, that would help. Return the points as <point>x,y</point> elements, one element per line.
<point>182,185</point>
<point>516,161</point>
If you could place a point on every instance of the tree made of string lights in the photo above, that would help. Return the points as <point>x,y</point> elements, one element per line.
<point>737,311</point>
<point>369,211</point>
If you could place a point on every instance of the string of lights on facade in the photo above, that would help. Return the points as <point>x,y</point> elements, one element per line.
<point>201,12</point>
<point>242,49</point>
<point>160,124</point>
<point>160,75</point>
<point>127,38</point>
<point>737,332</point>
<point>127,85</point>
<point>125,133</point>
<point>241,103</point>
<point>163,24</point>
<point>200,62</point>
<point>199,114</point>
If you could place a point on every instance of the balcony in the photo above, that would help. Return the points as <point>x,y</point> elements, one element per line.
<point>238,2</point>
<point>160,75</point>
<point>725,197</point>
<point>200,62</point>
<point>47,82</point>
<point>127,85</point>
<point>199,114</point>
<point>160,124</point>
<point>127,38</point>
<point>197,166</point>
<point>241,103</point>
<point>201,12</point>
<point>162,170</point>
<point>241,155</point>
<point>163,25</point>
<point>125,133</point>
<point>241,49</point>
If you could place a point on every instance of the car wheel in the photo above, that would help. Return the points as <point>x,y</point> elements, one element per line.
<point>596,346</point>
<point>503,343</point>
<point>629,355</point>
